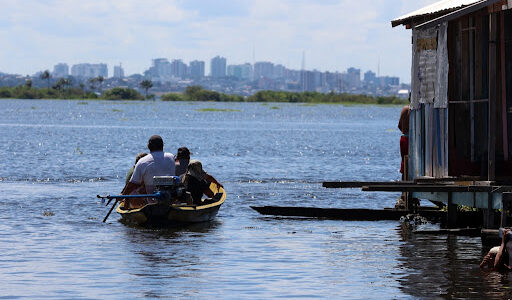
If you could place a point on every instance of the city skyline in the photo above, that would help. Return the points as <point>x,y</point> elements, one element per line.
<point>243,79</point>
<point>260,69</point>
<point>333,37</point>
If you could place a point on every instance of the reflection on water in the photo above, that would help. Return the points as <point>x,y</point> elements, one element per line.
<point>59,157</point>
<point>447,266</point>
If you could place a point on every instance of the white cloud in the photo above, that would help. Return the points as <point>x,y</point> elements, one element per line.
<point>335,34</point>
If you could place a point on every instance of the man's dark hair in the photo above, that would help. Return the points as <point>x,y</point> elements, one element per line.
<point>155,143</point>
<point>183,153</point>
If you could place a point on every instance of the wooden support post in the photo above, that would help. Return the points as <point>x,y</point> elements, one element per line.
<point>471,33</point>
<point>503,86</point>
<point>506,201</point>
<point>405,176</point>
<point>452,213</point>
<point>489,213</point>
<point>491,147</point>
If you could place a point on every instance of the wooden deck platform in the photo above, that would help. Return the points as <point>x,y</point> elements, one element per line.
<point>464,219</point>
<point>350,214</point>
<point>420,185</point>
<point>452,192</point>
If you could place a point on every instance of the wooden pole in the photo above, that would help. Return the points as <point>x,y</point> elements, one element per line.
<point>452,212</point>
<point>471,33</point>
<point>491,164</point>
<point>489,213</point>
<point>503,86</point>
<point>505,205</point>
<point>405,176</point>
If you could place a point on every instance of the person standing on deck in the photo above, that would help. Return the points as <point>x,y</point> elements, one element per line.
<point>156,163</point>
<point>403,125</point>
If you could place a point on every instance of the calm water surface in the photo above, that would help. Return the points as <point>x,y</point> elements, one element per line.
<point>57,155</point>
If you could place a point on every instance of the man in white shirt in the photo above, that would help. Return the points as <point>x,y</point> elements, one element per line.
<point>156,163</point>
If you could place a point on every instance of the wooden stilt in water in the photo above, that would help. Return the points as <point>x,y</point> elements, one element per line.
<point>489,213</point>
<point>452,212</point>
<point>506,201</point>
<point>406,195</point>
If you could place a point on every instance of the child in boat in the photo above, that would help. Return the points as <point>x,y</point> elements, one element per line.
<point>197,181</point>
<point>130,172</point>
<point>182,160</point>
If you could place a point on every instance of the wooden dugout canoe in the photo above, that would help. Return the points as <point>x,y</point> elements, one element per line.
<point>161,213</point>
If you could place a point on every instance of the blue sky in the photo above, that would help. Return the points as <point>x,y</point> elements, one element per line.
<point>334,34</point>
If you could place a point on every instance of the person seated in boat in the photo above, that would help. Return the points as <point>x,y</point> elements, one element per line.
<point>182,160</point>
<point>499,257</point>
<point>130,172</point>
<point>156,163</point>
<point>197,181</point>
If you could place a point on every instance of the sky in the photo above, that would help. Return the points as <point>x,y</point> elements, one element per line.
<point>333,34</point>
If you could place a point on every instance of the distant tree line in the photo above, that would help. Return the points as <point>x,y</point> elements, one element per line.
<point>64,89</point>
<point>197,93</point>
<point>61,91</point>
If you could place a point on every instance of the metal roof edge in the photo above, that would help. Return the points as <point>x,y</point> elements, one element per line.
<point>440,7</point>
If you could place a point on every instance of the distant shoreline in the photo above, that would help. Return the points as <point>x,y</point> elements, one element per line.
<point>197,93</point>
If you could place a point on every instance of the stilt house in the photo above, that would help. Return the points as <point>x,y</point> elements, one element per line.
<point>461,99</point>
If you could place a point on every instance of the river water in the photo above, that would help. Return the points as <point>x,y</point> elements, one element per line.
<point>57,155</point>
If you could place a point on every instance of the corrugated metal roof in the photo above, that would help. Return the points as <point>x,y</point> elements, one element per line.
<point>441,6</point>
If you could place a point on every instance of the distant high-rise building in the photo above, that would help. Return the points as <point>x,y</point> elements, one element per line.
<point>388,80</point>
<point>279,71</point>
<point>218,67</point>
<point>162,68</point>
<point>247,71</point>
<point>118,71</point>
<point>89,70</point>
<point>308,81</point>
<point>354,77</point>
<point>243,71</point>
<point>331,80</point>
<point>60,70</point>
<point>263,69</point>
<point>196,69</point>
<point>234,71</point>
<point>178,68</point>
<point>369,77</point>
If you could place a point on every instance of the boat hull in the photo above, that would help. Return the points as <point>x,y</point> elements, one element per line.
<point>159,213</point>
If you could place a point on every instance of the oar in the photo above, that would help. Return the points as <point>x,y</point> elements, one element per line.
<point>112,208</point>
<point>117,197</point>
<point>110,211</point>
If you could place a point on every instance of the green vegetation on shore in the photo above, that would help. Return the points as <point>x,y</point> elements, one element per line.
<point>217,109</point>
<point>315,97</point>
<point>197,93</point>
<point>64,90</point>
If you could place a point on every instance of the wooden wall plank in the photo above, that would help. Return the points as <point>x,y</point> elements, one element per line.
<point>471,48</point>
<point>481,119</point>
<point>508,76</point>
<point>478,58</point>
<point>491,161</point>
<point>503,87</point>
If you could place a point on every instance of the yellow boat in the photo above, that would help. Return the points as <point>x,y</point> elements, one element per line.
<point>162,212</point>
